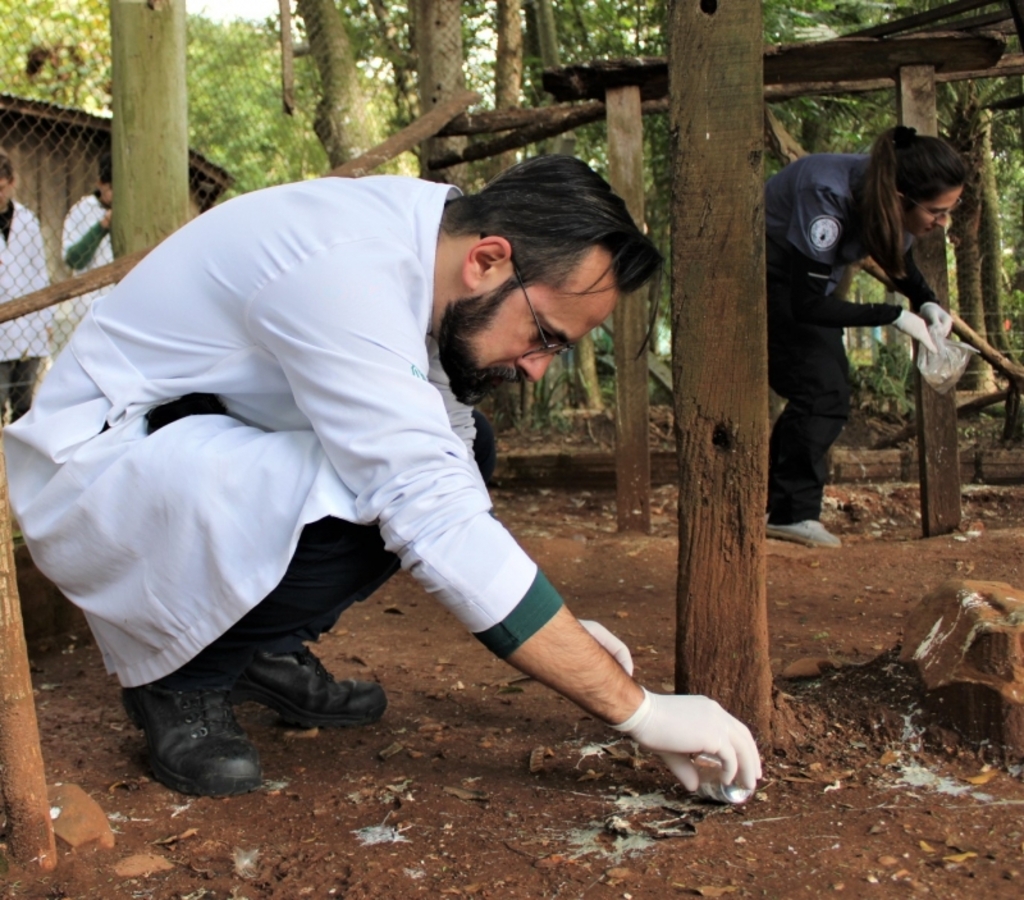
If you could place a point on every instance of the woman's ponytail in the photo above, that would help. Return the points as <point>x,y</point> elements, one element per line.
<point>905,167</point>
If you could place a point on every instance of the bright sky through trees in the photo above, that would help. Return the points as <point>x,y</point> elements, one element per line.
<point>225,10</point>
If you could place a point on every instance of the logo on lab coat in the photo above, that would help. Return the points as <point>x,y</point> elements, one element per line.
<point>418,373</point>
<point>824,232</point>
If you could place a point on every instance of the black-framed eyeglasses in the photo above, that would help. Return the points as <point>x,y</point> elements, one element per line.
<point>936,214</point>
<point>548,347</point>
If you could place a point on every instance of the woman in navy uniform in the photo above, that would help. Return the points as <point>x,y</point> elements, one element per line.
<point>824,212</point>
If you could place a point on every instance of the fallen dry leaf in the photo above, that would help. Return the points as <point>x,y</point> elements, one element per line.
<point>463,794</point>
<point>715,891</point>
<point>537,760</point>
<point>391,750</point>
<point>960,857</point>
<point>924,845</point>
<point>983,778</point>
<point>174,838</point>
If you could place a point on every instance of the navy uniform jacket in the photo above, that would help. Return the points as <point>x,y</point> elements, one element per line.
<point>814,232</point>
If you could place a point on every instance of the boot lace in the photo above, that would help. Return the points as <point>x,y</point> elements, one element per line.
<point>307,657</point>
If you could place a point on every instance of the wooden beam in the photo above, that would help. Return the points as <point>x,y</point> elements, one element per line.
<point>937,442</point>
<point>425,127</point>
<point>848,59</point>
<point>908,23</point>
<point>632,406</point>
<point>70,287</point>
<point>559,120</point>
<point>1010,64</point>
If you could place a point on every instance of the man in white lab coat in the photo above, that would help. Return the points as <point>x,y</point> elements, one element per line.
<point>269,415</point>
<point>23,341</point>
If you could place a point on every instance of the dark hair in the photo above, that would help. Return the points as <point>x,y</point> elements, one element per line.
<point>916,166</point>
<point>553,210</point>
<point>106,168</point>
<point>6,166</point>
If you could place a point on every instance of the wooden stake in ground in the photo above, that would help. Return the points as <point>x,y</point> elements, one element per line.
<point>720,355</point>
<point>149,129</point>
<point>22,779</point>
<point>632,406</point>
<point>937,444</point>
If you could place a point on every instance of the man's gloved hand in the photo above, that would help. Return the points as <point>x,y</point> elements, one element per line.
<point>610,643</point>
<point>912,324</point>
<point>935,315</point>
<point>678,727</point>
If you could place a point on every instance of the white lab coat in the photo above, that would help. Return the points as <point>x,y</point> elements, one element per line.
<point>306,308</point>
<point>86,213</point>
<point>22,271</point>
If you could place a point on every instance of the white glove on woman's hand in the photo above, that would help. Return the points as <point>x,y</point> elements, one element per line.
<point>936,316</point>
<point>912,324</point>
<point>610,643</point>
<point>677,727</point>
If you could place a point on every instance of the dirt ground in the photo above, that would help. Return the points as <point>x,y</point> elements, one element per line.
<point>440,798</point>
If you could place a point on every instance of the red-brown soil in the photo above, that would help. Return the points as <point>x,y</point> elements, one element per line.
<point>875,802</point>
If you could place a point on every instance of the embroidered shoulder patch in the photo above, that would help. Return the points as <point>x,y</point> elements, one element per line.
<point>824,232</point>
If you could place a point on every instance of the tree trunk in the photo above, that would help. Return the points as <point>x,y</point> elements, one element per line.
<point>991,247</point>
<point>149,130</point>
<point>586,375</point>
<point>508,70</point>
<point>720,358</point>
<point>439,49</point>
<point>964,134</point>
<point>551,58</point>
<point>343,122</point>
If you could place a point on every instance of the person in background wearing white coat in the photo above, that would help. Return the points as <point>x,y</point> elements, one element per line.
<point>86,245</point>
<point>23,341</point>
<point>258,426</point>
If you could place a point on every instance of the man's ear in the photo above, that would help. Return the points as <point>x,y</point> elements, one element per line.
<point>487,264</point>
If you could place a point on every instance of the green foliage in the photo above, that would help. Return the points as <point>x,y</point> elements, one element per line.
<point>235,114</point>
<point>58,51</point>
<point>886,386</point>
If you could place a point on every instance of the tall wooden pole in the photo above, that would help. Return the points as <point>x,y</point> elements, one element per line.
<point>720,353</point>
<point>632,453</point>
<point>150,124</point>
<point>22,778</point>
<point>937,438</point>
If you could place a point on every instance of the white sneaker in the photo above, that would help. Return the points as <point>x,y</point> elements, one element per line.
<point>810,533</point>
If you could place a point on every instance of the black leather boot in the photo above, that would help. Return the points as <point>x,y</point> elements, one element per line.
<point>195,744</point>
<point>304,693</point>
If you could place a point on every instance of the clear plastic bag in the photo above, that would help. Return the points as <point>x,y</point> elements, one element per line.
<point>942,369</point>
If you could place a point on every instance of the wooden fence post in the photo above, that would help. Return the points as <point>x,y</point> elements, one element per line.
<point>632,405</point>
<point>22,779</point>
<point>720,354</point>
<point>937,438</point>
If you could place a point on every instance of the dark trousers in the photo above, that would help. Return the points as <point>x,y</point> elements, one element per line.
<point>17,385</point>
<point>335,564</point>
<point>807,366</point>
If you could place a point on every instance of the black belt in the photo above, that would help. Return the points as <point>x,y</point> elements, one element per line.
<point>189,405</point>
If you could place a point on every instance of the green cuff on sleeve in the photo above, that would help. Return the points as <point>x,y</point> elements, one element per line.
<point>80,255</point>
<point>532,613</point>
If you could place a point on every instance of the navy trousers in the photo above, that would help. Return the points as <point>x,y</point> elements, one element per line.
<point>807,365</point>
<point>336,564</point>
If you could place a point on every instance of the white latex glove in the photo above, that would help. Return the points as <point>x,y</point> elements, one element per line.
<point>610,643</point>
<point>678,727</point>
<point>912,324</point>
<point>936,316</point>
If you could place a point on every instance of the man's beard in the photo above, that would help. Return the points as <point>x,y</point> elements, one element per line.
<point>462,320</point>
